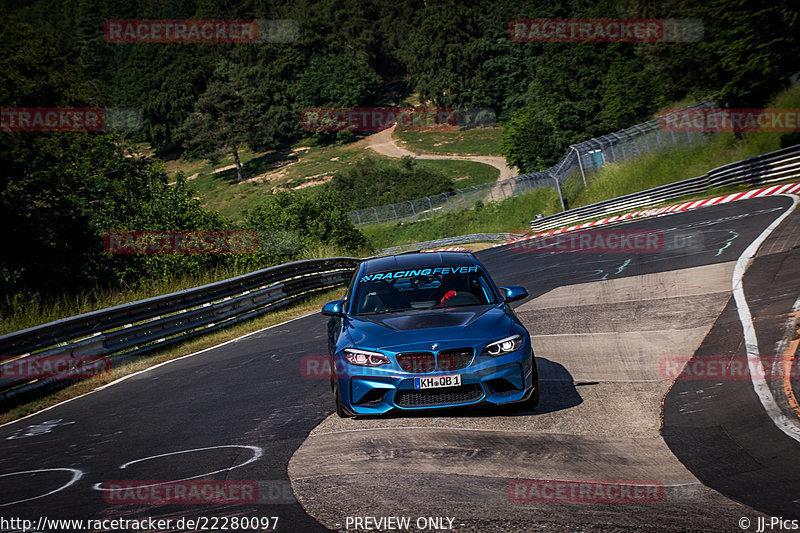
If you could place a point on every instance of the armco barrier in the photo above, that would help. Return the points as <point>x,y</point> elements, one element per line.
<point>766,168</point>
<point>138,327</point>
<point>449,241</point>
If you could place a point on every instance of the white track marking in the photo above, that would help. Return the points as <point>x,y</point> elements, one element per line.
<point>76,475</point>
<point>257,454</point>
<point>789,426</point>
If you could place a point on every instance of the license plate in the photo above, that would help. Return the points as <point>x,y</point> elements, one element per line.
<point>453,380</point>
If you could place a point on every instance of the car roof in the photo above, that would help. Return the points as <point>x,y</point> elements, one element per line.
<point>419,260</point>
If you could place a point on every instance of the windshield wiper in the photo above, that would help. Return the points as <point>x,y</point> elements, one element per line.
<point>388,311</point>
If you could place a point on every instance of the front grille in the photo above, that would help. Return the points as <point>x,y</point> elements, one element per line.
<point>433,397</point>
<point>455,358</point>
<point>417,362</point>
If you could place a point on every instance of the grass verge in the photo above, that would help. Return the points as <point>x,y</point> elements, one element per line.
<point>511,215</point>
<point>477,141</point>
<point>463,173</point>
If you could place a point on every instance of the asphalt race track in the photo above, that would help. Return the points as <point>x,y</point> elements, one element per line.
<point>607,328</point>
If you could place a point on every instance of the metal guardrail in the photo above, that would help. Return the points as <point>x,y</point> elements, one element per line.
<point>762,169</point>
<point>581,157</point>
<point>139,327</point>
<point>450,241</point>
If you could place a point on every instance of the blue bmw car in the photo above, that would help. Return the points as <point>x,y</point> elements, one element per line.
<point>428,331</point>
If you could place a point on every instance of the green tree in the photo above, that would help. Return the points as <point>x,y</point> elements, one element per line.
<point>442,53</point>
<point>528,141</point>
<point>336,81</point>
<point>630,93</point>
<point>751,48</point>
<point>294,221</point>
<point>220,124</point>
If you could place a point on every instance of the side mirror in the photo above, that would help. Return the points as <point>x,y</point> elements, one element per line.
<point>513,293</point>
<point>334,308</point>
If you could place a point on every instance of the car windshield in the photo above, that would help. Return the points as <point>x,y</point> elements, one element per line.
<point>422,288</point>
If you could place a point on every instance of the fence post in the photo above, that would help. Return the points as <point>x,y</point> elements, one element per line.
<point>375,210</point>
<point>632,140</point>
<point>359,218</point>
<point>447,199</point>
<point>560,197</point>
<point>621,145</point>
<point>394,211</point>
<point>580,164</point>
<point>413,210</point>
<point>644,135</point>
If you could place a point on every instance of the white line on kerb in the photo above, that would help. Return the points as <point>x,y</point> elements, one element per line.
<point>789,426</point>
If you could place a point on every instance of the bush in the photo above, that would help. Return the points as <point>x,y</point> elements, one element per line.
<point>370,182</point>
<point>293,222</point>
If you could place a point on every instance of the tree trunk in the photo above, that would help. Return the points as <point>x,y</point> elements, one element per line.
<point>239,177</point>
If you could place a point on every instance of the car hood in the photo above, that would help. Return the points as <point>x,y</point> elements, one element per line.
<point>391,330</point>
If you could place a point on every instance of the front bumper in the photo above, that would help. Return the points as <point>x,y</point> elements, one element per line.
<point>494,380</point>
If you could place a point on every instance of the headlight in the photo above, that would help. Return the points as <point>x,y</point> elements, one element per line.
<point>503,346</point>
<point>365,358</point>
